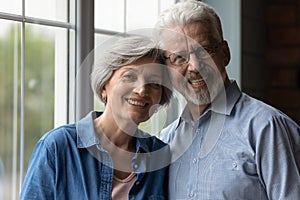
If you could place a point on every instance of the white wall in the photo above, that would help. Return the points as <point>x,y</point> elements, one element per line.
<point>230,14</point>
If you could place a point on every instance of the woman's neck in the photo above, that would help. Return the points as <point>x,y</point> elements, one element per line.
<point>109,131</point>
<point>120,145</point>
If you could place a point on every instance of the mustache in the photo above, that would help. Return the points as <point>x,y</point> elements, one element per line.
<point>204,71</point>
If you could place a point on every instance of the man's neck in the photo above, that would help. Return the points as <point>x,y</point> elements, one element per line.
<point>196,110</point>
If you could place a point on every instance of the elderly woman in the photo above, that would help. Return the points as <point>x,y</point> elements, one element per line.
<point>105,155</point>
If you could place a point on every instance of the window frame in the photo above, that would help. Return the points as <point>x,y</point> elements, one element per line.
<point>24,20</point>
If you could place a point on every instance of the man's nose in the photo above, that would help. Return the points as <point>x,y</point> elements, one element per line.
<point>193,64</point>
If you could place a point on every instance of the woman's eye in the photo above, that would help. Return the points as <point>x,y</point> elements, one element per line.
<point>155,84</point>
<point>129,77</point>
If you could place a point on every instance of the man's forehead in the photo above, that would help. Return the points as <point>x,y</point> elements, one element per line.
<point>186,37</point>
<point>173,41</point>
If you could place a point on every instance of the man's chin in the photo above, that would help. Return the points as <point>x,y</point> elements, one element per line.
<point>198,102</point>
<point>199,99</point>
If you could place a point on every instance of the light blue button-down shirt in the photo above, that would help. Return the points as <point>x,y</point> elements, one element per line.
<point>247,151</point>
<point>69,163</point>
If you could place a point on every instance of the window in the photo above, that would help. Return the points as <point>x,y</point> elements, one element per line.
<point>40,54</point>
<point>36,50</point>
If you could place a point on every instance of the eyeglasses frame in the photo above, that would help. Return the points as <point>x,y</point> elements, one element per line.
<point>211,50</point>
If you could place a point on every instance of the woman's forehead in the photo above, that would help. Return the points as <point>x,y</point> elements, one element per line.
<point>144,67</point>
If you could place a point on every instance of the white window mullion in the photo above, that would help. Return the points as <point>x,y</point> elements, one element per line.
<point>60,79</point>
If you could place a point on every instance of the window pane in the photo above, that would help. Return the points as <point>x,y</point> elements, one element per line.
<point>12,6</point>
<point>64,56</point>
<point>39,85</point>
<point>109,15</point>
<point>141,14</point>
<point>9,108</point>
<point>47,9</point>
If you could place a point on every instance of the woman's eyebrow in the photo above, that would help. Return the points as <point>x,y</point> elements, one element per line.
<point>127,68</point>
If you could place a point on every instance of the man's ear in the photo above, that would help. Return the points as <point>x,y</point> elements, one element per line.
<point>226,52</point>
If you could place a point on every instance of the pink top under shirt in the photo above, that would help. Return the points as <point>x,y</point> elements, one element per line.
<point>120,188</point>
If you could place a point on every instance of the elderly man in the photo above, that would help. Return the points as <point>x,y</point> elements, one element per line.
<point>226,144</point>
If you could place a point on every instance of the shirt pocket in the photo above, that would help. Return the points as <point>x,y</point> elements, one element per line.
<point>234,179</point>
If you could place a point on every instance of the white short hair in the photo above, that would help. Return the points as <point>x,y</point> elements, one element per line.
<point>183,13</point>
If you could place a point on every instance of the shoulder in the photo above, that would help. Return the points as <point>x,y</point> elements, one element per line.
<point>256,109</point>
<point>168,132</point>
<point>261,117</point>
<point>60,136</point>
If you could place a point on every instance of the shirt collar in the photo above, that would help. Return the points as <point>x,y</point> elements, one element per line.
<point>231,96</point>
<point>86,136</point>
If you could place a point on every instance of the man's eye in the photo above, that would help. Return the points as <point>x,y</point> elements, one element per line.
<point>179,57</point>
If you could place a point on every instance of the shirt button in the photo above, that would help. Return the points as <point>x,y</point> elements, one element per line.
<point>234,165</point>
<point>191,194</point>
<point>195,160</point>
<point>135,166</point>
<point>137,182</point>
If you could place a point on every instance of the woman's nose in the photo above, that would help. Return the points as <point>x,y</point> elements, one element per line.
<point>142,90</point>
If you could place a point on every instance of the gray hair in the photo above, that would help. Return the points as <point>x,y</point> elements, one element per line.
<point>123,52</point>
<point>184,13</point>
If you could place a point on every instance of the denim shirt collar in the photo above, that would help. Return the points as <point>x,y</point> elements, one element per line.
<point>86,136</point>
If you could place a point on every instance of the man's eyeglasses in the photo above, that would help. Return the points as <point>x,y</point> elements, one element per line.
<point>202,53</point>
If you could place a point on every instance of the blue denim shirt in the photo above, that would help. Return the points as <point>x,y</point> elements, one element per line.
<point>248,150</point>
<point>65,166</point>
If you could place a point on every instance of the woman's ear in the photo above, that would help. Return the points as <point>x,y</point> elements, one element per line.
<point>226,52</point>
<point>103,94</point>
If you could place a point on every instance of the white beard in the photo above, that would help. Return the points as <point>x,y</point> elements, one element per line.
<point>205,96</point>
<point>201,98</point>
